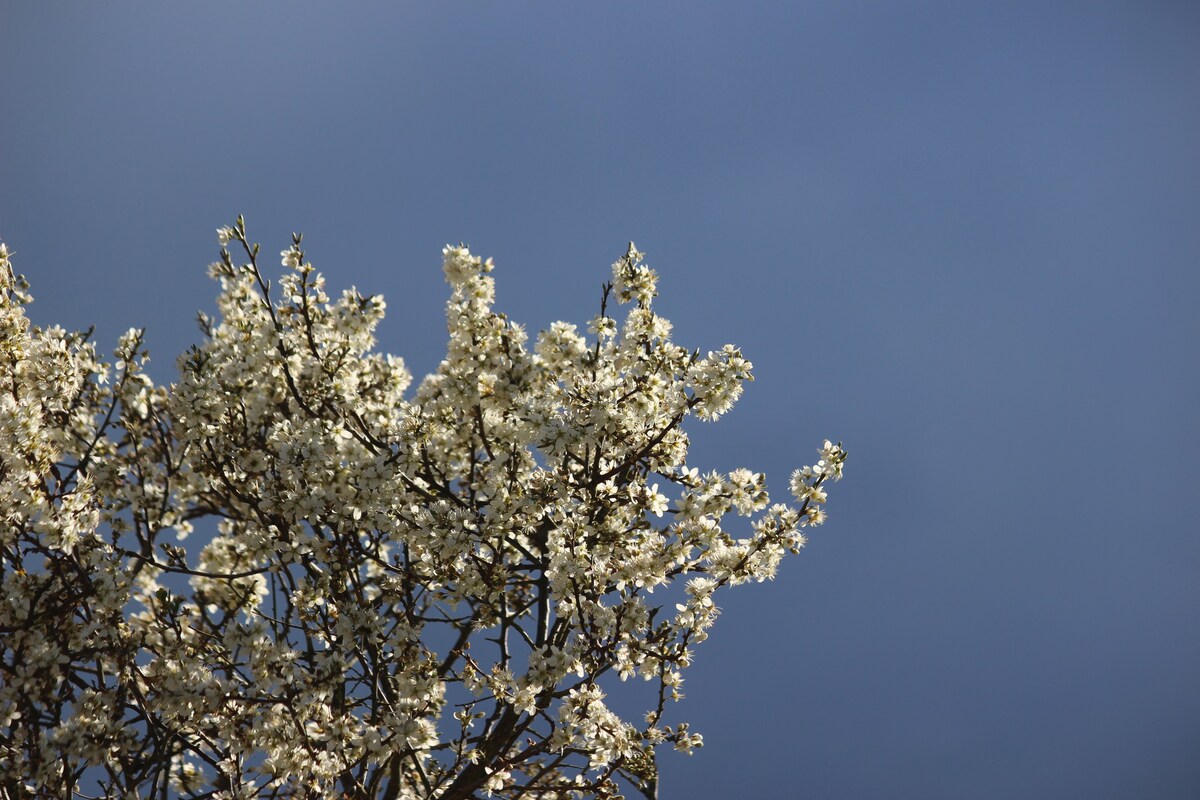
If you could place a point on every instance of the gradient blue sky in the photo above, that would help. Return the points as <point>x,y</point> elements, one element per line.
<point>961,237</point>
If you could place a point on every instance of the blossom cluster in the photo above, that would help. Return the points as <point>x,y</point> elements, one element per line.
<point>288,574</point>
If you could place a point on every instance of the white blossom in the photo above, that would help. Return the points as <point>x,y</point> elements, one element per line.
<point>387,592</point>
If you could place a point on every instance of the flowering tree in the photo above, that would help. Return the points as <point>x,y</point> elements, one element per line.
<point>397,596</point>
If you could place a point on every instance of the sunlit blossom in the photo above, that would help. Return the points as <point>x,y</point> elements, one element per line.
<point>387,591</point>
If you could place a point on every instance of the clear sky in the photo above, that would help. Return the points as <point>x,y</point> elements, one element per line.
<point>961,237</point>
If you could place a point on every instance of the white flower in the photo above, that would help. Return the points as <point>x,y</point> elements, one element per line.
<point>291,257</point>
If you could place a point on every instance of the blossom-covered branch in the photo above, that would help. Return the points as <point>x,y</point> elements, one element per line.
<point>392,593</point>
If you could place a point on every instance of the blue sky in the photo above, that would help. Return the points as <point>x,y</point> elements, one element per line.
<point>960,237</point>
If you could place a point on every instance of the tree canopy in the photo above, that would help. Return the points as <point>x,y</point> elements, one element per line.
<point>387,593</point>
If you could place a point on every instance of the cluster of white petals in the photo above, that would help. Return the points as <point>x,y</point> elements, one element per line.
<point>386,593</point>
